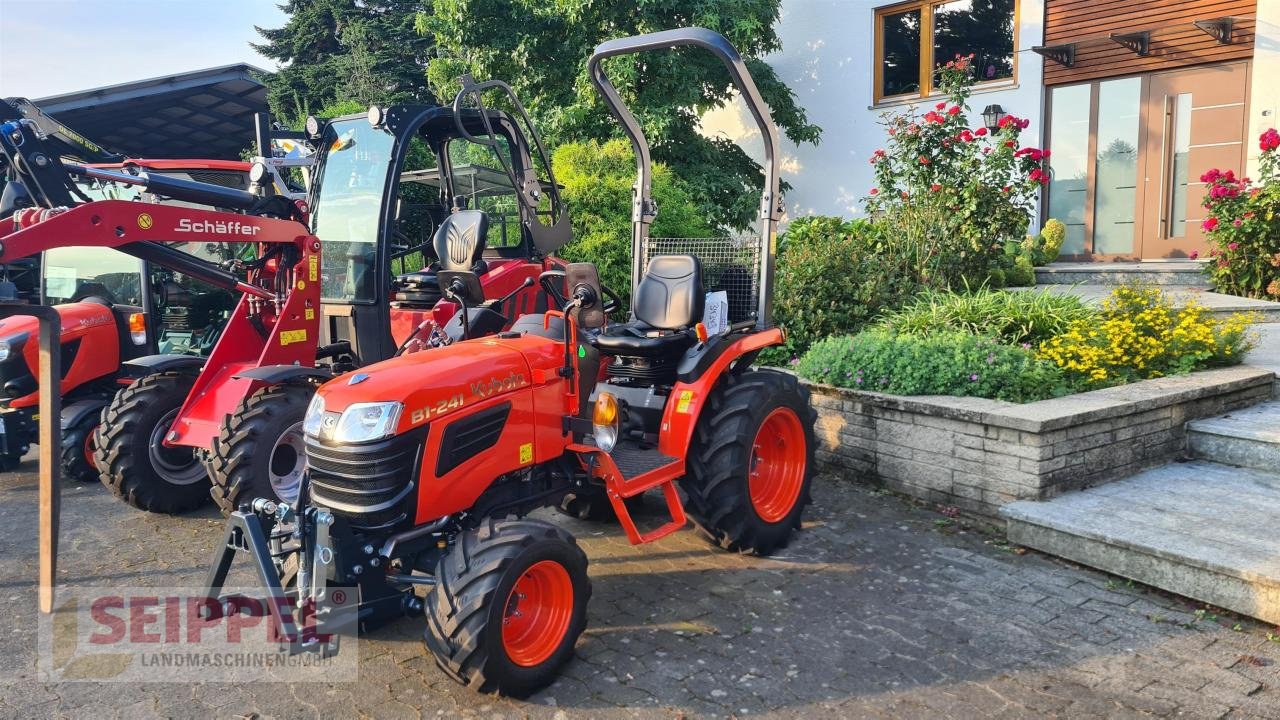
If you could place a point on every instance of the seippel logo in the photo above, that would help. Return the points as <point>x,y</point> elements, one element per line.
<point>186,225</point>
<point>493,386</point>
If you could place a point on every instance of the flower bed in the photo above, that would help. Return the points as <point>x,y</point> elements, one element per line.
<point>1243,226</point>
<point>976,454</point>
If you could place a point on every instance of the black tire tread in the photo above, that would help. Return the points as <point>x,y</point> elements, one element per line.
<point>75,466</point>
<point>457,608</point>
<point>720,450</point>
<point>255,420</point>
<point>114,437</point>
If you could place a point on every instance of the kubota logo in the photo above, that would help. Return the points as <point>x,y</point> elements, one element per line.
<point>186,225</point>
<point>495,385</point>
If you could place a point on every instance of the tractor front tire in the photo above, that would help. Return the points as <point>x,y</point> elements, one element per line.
<point>129,451</point>
<point>751,462</point>
<point>259,451</point>
<point>77,450</point>
<point>509,603</point>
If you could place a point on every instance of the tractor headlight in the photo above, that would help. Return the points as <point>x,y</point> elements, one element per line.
<point>315,414</point>
<point>4,350</point>
<point>366,422</point>
<point>604,421</point>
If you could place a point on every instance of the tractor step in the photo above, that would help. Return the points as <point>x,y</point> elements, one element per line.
<point>630,470</point>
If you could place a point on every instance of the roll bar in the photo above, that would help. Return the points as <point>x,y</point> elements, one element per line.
<point>643,209</point>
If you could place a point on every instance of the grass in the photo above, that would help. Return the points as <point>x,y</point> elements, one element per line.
<point>1013,318</point>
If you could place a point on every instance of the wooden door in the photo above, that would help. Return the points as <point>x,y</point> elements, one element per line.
<point>1195,119</point>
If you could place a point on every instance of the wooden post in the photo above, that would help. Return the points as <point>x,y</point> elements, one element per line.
<point>49,439</point>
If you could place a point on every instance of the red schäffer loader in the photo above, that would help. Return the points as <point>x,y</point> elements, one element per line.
<point>384,185</point>
<point>422,468</point>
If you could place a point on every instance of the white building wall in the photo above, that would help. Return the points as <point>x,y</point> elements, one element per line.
<point>827,59</point>
<point>1264,83</point>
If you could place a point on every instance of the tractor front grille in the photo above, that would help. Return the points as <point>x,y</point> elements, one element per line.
<point>372,485</point>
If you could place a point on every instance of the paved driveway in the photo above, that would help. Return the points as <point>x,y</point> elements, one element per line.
<point>878,609</point>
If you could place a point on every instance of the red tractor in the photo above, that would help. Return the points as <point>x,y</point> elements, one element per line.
<point>421,468</point>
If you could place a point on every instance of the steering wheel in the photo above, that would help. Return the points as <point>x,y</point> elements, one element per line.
<point>612,302</point>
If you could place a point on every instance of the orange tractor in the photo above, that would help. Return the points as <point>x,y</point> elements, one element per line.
<point>421,468</point>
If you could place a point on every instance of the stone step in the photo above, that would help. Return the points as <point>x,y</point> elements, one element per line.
<point>1199,529</point>
<point>1245,438</point>
<point>1216,303</point>
<point>1186,273</point>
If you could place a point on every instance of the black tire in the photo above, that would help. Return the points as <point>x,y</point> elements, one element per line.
<point>252,448</point>
<point>77,450</point>
<point>467,607</point>
<point>717,485</point>
<point>127,450</point>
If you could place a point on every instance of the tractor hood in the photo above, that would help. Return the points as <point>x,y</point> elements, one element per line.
<point>434,383</point>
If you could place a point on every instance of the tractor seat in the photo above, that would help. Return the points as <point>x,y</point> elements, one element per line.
<point>667,304</point>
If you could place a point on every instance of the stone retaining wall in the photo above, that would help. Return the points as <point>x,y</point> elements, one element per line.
<point>978,454</point>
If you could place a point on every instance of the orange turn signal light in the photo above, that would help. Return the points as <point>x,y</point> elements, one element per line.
<point>606,410</point>
<point>137,322</point>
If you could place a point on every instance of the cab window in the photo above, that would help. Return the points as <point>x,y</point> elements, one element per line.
<point>481,183</point>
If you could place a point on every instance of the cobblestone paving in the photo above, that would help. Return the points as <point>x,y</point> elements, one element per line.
<point>878,609</point>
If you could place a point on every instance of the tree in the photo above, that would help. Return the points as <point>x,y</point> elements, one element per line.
<point>541,49</point>
<point>346,50</point>
<point>597,182</point>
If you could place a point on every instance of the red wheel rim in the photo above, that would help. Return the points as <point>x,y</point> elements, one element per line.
<point>777,465</point>
<point>88,447</point>
<point>536,616</point>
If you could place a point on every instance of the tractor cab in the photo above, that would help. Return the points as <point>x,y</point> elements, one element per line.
<point>391,189</point>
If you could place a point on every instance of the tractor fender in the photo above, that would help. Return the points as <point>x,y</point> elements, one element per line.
<point>149,364</point>
<point>284,374</point>
<point>78,410</point>
<point>689,397</point>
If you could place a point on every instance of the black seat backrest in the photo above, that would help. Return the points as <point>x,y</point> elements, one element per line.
<point>670,295</point>
<point>460,240</point>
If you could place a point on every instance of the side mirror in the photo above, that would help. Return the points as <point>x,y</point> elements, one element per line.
<point>583,282</point>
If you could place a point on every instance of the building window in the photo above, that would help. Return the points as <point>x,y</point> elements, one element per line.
<point>913,38</point>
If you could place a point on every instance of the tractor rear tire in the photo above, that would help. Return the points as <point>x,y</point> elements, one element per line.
<point>475,625</point>
<point>259,451</point>
<point>128,448</point>
<point>77,450</point>
<point>751,462</point>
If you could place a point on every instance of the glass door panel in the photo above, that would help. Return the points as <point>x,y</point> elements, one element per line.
<point>1116,168</point>
<point>1069,163</point>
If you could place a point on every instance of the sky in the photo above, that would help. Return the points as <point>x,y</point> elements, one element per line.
<point>50,47</point>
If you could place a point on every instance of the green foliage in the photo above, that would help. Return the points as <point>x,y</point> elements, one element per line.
<point>1243,226</point>
<point>1043,249</point>
<point>541,49</point>
<point>953,197</point>
<point>944,363</point>
<point>1022,274</point>
<point>1013,318</point>
<point>365,51</point>
<point>597,181</point>
<point>833,276</point>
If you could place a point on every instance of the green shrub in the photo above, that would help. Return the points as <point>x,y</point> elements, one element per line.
<point>1044,248</point>
<point>1140,334</point>
<point>833,276</point>
<point>597,180</point>
<point>1012,318</point>
<point>1022,274</point>
<point>948,363</point>
<point>1243,226</point>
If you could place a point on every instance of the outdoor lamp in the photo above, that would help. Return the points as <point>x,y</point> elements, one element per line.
<point>991,117</point>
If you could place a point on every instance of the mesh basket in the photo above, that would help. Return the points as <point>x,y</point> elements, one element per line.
<point>731,264</point>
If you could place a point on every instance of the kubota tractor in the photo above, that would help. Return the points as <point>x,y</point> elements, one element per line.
<point>421,468</point>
